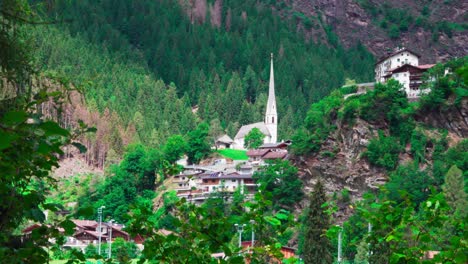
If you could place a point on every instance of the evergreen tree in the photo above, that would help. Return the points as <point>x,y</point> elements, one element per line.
<point>454,190</point>
<point>316,244</point>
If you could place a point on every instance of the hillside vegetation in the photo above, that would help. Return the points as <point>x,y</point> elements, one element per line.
<point>223,69</point>
<point>357,144</point>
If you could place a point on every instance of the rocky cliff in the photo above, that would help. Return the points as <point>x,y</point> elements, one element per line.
<point>436,29</point>
<point>341,165</point>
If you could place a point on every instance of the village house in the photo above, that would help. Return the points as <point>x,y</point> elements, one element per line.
<point>223,142</point>
<point>87,232</point>
<point>197,187</point>
<point>268,151</point>
<point>403,66</point>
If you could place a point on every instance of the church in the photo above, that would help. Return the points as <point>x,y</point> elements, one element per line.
<point>269,127</point>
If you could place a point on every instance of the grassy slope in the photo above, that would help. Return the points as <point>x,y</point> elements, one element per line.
<point>234,154</point>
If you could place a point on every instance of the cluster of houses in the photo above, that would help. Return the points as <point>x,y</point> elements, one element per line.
<point>87,232</point>
<point>197,183</point>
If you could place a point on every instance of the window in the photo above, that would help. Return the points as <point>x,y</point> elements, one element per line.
<point>272,119</point>
<point>233,180</point>
<point>398,59</point>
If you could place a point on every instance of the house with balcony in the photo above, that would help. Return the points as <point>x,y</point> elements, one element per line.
<point>403,66</point>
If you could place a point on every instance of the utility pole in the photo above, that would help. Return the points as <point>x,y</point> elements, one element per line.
<point>339,243</point>
<point>109,243</point>
<point>253,232</point>
<point>369,230</point>
<point>100,229</point>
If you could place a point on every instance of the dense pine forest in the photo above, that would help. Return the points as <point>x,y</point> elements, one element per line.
<point>222,67</point>
<point>127,89</point>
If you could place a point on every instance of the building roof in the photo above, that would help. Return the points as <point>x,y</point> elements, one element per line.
<point>397,52</point>
<point>275,145</point>
<point>225,139</point>
<point>221,175</point>
<point>244,130</point>
<point>85,223</point>
<point>400,68</point>
<point>257,152</point>
<point>276,155</point>
<point>426,66</point>
<point>92,233</point>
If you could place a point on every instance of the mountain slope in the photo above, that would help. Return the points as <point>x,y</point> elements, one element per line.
<point>436,29</point>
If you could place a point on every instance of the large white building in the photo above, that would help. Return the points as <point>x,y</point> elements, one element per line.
<point>269,127</point>
<point>403,66</point>
<point>396,59</point>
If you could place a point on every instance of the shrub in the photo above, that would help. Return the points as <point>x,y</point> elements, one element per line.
<point>383,151</point>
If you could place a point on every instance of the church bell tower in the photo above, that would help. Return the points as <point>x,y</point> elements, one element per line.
<point>271,116</point>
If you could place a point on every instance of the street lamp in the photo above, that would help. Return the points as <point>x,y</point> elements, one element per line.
<point>253,232</point>
<point>339,243</point>
<point>109,242</point>
<point>100,229</point>
<point>240,229</point>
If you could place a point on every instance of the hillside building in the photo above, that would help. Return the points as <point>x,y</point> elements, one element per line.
<point>403,66</point>
<point>269,127</point>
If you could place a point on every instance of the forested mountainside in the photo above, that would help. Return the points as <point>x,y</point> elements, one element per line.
<point>217,57</point>
<point>136,86</point>
<point>378,146</point>
<point>438,30</point>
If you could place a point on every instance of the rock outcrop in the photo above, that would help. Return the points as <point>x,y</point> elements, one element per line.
<point>340,163</point>
<point>353,23</point>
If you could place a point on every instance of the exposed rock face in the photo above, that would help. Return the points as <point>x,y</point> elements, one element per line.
<point>454,119</point>
<point>340,164</point>
<point>354,24</point>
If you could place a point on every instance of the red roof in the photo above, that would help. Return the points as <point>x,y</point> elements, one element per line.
<point>85,223</point>
<point>257,152</point>
<point>426,66</point>
<point>276,155</point>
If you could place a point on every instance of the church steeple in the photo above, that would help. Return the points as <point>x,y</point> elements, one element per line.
<point>271,116</point>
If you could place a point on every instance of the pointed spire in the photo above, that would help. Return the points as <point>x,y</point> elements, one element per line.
<point>271,116</point>
<point>271,91</point>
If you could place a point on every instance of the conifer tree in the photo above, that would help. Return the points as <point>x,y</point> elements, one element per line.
<point>316,247</point>
<point>454,190</point>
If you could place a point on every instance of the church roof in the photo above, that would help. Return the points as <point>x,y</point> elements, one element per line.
<point>244,130</point>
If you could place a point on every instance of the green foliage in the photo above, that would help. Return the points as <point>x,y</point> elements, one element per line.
<point>124,251</point>
<point>383,151</point>
<point>280,178</point>
<point>174,148</point>
<point>445,85</point>
<point>134,177</point>
<point>201,230</point>
<point>198,144</point>
<point>254,139</point>
<point>454,191</point>
<point>318,124</point>
<point>399,235</point>
<point>139,41</point>
<point>408,182</point>
<point>30,146</point>
<point>317,247</point>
